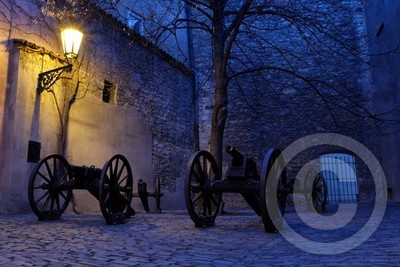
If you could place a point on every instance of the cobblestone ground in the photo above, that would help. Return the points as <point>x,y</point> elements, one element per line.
<point>170,238</point>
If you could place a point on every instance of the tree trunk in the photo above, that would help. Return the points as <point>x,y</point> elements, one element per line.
<point>220,110</point>
<point>218,119</point>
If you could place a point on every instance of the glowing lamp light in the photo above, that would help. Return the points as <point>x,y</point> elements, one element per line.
<point>71,41</point>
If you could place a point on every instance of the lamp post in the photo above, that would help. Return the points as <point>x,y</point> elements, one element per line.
<point>71,40</point>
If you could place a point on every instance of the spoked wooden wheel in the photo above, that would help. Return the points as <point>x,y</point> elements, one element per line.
<point>201,202</point>
<point>316,191</point>
<point>115,191</point>
<point>273,190</point>
<point>47,191</point>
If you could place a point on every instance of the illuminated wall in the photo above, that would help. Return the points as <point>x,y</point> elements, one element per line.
<point>149,118</point>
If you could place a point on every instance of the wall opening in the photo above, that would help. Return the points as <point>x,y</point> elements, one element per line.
<point>339,171</point>
<point>109,91</point>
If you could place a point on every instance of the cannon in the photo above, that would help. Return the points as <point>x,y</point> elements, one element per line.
<point>53,179</point>
<point>143,194</point>
<point>314,189</point>
<point>265,192</point>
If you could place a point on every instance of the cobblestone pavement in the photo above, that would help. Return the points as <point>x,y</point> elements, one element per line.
<point>170,238</point>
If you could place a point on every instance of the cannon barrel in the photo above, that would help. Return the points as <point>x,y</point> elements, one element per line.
<point>237,156</point>
<point>241,166</point>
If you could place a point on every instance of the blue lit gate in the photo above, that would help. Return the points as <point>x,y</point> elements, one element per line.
<point>339,171</point>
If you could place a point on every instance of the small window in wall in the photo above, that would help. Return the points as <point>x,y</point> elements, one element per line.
<point>109,92</point>
<point>339,171</point>
<point>135,23</point>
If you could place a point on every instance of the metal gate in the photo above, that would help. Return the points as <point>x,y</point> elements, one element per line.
<point>339,171</point>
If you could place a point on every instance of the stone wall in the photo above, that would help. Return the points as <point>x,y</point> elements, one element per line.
<point>278,108</point>
<point>150,117</point>
<point>160,89</point>
<point>383,36</point>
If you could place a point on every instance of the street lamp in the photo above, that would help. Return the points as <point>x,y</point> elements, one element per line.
<point>71,41</point>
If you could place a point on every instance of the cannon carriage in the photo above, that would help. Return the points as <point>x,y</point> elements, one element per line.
<point>265,192</point>
<point>53,179</point>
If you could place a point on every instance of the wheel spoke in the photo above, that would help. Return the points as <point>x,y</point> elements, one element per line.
<point>123,179</point>
<point>44,177</point>
<point>209,171</point>
<point>120,173</point>
<point>41,197</point>
<point>199,195</point>
<point>206,206</point>
<point>197,176</point>
<point>39,186</point>
<point>110,172</point>
<point>116,170</point>
<point>63,178</point>
<point>58,201</point>
<point>56,169</point>
<point>49,172</point>
<point>201,205</point>
<point>200,171</point>
<point>52,198</point>
<point>46,203</point>
<point>214,200</point>
<point>63,196</point>
<point>205,168</point>
<point>209,205</point>
<point>107,201</point>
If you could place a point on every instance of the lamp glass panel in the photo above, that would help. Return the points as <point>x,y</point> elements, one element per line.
<point>71,40</point>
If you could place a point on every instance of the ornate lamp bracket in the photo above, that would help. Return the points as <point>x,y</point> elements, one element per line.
<point>48,78</point>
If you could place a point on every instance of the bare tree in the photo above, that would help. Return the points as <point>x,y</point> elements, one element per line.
<point>313,40</point>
